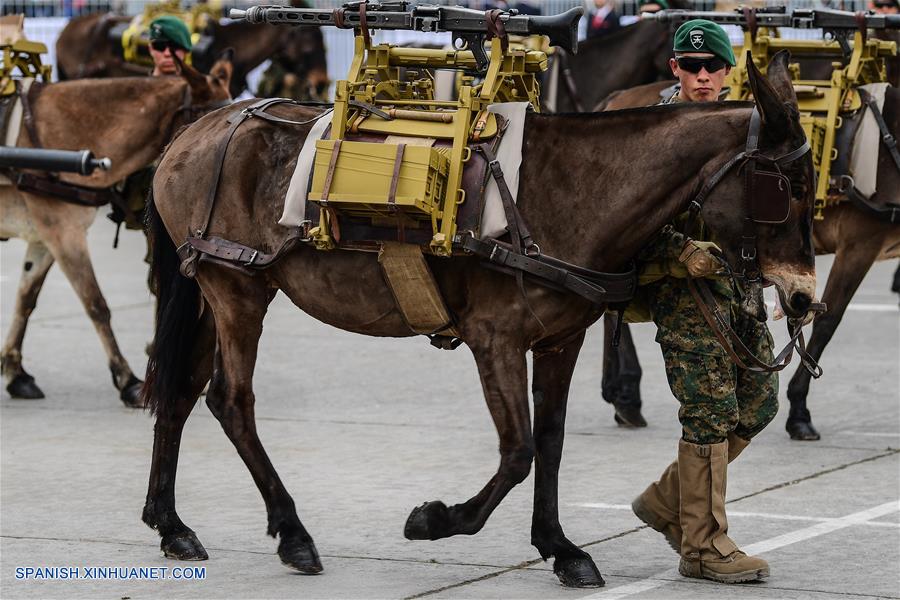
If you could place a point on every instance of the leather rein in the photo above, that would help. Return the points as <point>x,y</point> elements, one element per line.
<point>730,341</point>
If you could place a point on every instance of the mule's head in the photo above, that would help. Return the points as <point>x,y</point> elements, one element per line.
<point>784,247</point>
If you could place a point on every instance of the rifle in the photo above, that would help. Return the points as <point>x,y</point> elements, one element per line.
<point>839,24</point>
<point>470,28</point>
<point>70,161</point>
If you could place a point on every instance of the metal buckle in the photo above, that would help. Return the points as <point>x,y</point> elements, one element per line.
<point>889,140</point>
<point>748,255</point>
<point>253,256</point>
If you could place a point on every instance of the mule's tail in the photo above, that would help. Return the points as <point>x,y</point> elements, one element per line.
<point>169,367</point>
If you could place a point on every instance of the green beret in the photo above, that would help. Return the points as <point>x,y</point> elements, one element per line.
<point>663,4</point>
<point>700,35</point>
<point>171,28</point>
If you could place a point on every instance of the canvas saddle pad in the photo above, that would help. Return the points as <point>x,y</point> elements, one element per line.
<point>867,144</point>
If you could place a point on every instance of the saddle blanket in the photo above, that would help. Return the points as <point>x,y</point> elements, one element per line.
<point>11,121</point>
<point>867,144</point>
<point>493,222</point>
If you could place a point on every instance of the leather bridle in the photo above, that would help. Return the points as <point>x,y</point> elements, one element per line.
<point>750,161</point>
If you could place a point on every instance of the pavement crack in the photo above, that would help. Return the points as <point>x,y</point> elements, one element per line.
<point>778,486</point>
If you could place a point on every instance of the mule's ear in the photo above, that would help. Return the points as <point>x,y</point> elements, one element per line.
<point>771,108</point>
<point>223,68</point>
<point>196,79</point>
<point>779,75</point>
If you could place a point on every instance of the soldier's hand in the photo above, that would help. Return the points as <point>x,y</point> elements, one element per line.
<point>699,258</point>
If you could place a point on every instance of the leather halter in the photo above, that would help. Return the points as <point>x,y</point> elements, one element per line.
<point>730,341</point>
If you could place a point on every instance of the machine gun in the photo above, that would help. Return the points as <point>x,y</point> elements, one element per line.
<point>82,162</point>
<point>858,60</point>
<point>470,28</point>
<point>840,25</point>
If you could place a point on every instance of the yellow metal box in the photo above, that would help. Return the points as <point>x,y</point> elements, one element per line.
<point>362,177</point>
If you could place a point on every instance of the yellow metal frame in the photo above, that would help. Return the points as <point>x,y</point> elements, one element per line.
<point>24,56</point>
<point>821,102</point>
<point>376,78</point>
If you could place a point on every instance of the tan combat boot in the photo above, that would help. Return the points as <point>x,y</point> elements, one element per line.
<point>706,550</point>
<point>659,504</point>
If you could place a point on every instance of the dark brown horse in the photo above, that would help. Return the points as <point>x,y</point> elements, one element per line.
<point>84,49</point>
<point>129,120</point>
<point>208,327</point>
<point>856,239</point>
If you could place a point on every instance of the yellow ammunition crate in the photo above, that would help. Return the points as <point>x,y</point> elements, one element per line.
<point>363,173</point>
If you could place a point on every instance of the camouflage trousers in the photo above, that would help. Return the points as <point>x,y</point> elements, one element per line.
<point>716,396</point>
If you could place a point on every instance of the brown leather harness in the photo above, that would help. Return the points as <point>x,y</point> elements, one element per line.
<point>767,197</point>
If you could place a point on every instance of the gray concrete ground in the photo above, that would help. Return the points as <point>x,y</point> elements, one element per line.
<point>362,430</point>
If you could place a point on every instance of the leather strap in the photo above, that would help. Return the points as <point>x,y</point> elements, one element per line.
<point>230,254</point>
<point>735,347</point>
<point>888,212</point>
<point>190,252</point>
<point>594,286</point>
<point>496,28</point>
<point>395,177</point>
<point>67,192</point>
<point>329,176</point>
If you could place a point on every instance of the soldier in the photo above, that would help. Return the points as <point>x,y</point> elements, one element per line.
<point>722,407</point>
<point>169,38</point>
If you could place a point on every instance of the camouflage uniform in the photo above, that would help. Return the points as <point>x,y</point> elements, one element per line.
<point>716,396</point>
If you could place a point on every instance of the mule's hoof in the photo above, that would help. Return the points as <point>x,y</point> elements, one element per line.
<point>300,555</point>
<point>629,416</point>
<point>802,431</point>
<point>183,546</point>
<point>131,393</point>
<point>23,387</point>
<point>578,572</point>
<point>427,522</point>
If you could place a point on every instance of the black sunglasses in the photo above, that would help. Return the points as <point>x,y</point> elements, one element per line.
<point>693,64</point>
<point>161,45</point>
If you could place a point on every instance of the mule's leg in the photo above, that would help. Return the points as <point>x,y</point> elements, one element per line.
<point>503,372</point>
<point>20,384</point>
<point>851,263</point>
<point>550,388</point>
<point>178,540</point>
<point>239,316</point>
<point>621,382</point>
<point>68,243</point>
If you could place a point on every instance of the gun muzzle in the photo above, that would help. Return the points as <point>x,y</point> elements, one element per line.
<point>562,29</point>
<point>237,14</point>
<point>69,161</point>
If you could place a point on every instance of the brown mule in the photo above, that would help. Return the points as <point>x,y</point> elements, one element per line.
<point>602,229</point>
<point>83,49</point>
<point>856,239</point>
<point>137,118</point>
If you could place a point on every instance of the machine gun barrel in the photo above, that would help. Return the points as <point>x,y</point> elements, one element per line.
<point>814,18</point>
<point>562,29</point>
<point>70,161</point>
